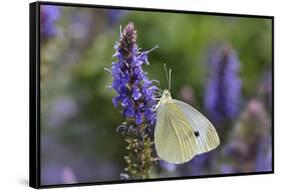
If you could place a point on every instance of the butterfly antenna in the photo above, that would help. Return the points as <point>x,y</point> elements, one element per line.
<point>166,72</point>
<point>170,78</point>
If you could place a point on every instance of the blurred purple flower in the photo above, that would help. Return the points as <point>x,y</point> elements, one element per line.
<point>81,25</point>
<point>223,91</point>
<point>49,15</point>
<point>226,169</point>
<point>50,173</point>
<point>264,156</point>
<point>197,165</point>
<point>68,175</point>
<point>187,95</point>
<point>249,146</point>
<point>113,16</point>
<point>62,109</point>
<point>236,149</point>
<point>135,91</point>
<point>167,166</point>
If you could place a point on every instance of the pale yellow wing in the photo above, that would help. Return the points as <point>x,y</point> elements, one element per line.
<point>206,136</point>
<point>174,137</point>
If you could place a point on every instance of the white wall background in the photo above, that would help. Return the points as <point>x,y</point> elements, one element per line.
<point>14,93</point>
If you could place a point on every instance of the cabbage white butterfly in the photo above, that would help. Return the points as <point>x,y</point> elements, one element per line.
<point>181,131</point>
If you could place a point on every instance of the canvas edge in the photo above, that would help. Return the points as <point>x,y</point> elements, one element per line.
<point>34,121</point>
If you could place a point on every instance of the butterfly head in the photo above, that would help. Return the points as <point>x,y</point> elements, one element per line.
<point>166,95</point>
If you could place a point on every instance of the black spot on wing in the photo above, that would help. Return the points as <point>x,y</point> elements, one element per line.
<point>196,133</point>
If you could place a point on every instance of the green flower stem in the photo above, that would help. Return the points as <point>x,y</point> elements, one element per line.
<point>139,159</point>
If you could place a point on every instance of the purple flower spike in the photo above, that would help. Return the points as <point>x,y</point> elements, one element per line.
<point>223,91</point>
<point>135,92</point>
<point>49,15</point>
<point>135,95</point>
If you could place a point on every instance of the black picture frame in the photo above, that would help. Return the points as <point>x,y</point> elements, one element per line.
<point>34,93</point>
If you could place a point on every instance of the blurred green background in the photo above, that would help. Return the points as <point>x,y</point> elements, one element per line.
<point>79,142</point>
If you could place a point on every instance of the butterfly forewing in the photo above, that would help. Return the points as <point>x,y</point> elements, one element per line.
<point>175,141</point>
<point>206,136</point>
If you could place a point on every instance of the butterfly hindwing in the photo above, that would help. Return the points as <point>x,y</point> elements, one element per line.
<point>206,136</point>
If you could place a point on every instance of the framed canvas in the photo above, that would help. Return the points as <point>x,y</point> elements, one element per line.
<point>122,94</point>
